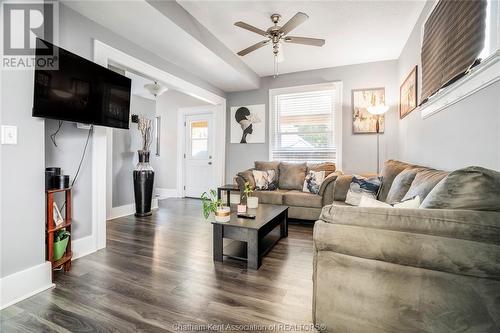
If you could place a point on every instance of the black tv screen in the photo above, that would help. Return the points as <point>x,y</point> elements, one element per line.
<point>80,91</point>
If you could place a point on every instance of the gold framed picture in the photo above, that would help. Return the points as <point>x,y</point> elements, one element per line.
<point>363,122</point>
<point>408,94</point>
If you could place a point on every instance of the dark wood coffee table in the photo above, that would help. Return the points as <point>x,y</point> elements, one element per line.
<point>258,234</point>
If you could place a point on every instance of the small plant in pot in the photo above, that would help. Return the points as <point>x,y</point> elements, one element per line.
<point>212,205</point>
<point>60,243</point>
<point>252,202</point>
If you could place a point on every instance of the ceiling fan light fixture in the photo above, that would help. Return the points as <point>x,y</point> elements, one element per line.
<point>277,34</point>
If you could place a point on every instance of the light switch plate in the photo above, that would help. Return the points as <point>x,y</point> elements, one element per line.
<point>9,135</point>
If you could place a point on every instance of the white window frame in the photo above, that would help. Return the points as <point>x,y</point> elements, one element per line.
<point>337,130</point>
<point>479,77</point>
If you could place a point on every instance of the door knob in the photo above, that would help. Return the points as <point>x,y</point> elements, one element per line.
<point>209,163</point>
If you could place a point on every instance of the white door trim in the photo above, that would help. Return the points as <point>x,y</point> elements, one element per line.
<point>105,55</point>
<point>219,115</point>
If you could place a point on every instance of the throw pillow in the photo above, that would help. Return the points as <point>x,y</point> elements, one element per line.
<point>313,181</point>
<point>366,201</point>
<point>424,182</point>
<point>410,203</point>
<point>370,202</point>
<point>473,188</point>
<point>292,175</point>
<point>360,187</point>
<point>401,184</point>
<point>265,180</point>
<point>389,172</point>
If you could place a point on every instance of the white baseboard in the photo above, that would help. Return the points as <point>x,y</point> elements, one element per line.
<point>126,210</point>
<point>163,193</point>
<point>82,247</point>
<point>26,283</point>
<point>120,211</point>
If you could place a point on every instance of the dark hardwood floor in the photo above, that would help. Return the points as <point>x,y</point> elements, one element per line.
<point>157,273</point>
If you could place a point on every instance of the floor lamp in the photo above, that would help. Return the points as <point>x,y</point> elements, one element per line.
<point>378,111</point>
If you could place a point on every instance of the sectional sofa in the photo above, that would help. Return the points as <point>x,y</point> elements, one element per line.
<point>431,269</point>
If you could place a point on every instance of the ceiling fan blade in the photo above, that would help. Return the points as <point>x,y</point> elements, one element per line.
<point>253,48</point>
<point>305,40</point>
<point>251,28</point>
<point>294,22</point>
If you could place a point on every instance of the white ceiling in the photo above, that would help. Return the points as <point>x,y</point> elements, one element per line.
<point>355,31</point>
<point>144,25</point>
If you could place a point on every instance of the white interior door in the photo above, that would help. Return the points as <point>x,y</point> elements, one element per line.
<point>198,158</point>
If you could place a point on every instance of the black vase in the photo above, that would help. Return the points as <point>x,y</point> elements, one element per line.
<point>144,177</point>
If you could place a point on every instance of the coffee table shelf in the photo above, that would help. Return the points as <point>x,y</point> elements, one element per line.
<point>258,235</point>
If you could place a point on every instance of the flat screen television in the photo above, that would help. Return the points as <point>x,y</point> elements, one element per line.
<point>80,91</point>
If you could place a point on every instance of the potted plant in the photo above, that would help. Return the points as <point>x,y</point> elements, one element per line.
<point>212,205</point>
<point>252,202</point>
<point>60,243</point>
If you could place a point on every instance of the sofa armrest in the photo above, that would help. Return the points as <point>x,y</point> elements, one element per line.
<point>242,177</point>
<point>341,187</point>
<point>327,187</point>
<point>459,242</point>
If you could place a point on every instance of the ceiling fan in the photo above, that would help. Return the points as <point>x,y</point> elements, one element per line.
<point>275,34</point>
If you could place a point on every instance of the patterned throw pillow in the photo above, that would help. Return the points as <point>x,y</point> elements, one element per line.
<point>313,181</point>
<point>265,180</point>
<point>361,186</point>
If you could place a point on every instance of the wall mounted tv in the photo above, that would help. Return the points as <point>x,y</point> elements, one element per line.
<point>80,91</point>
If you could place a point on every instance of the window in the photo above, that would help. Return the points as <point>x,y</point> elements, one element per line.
<point>199,139</point>
<point>454,36</point>
<point>304,124</point>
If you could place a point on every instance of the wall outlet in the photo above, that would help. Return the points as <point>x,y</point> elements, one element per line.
<point>9,135</point>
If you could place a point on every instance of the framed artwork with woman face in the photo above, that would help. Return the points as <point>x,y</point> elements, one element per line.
<point>248,124</point>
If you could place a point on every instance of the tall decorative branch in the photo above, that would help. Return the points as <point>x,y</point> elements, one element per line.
<point>144,125</point>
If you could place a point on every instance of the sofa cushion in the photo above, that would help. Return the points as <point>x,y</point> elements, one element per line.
<point>424,182</point>
<point>327,167</point>
<point>292,175</point>
<point>401,184</point>
<point>270,197</point>
<point>302,199</point>
<point>247,176</point>
<point>391,169</point>
<point>264,166</point>
<point>473,188</point>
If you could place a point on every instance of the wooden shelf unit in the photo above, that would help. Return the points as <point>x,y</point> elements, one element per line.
<point>51,229</point>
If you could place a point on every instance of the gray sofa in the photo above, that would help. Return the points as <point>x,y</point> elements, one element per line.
<point>302,205</point>
<point>432,269</point>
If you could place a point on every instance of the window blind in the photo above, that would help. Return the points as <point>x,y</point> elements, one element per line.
<point>453,39</point>
<point>303,127</point>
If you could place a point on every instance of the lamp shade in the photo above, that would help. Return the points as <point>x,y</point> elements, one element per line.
<point>378,109</point>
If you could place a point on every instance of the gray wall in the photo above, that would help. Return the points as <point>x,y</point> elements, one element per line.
<point>466,133</point>
<point>70,143</point>
<point>22,211</point>
<point>167,107</point>
<point>359,150</point>
<point>125,146</point>
<point>77,34</point>
<point>22,165</point>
